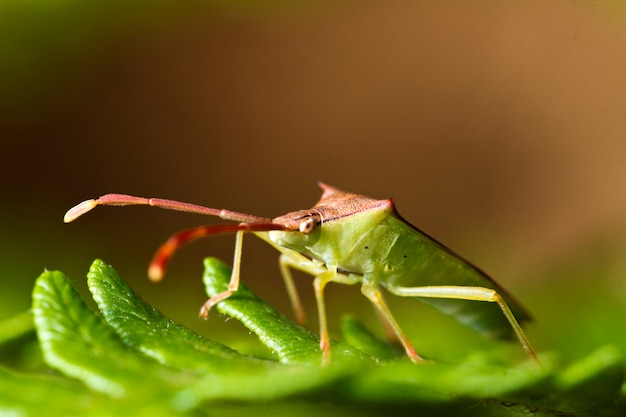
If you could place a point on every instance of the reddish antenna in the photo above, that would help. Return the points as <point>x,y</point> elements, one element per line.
<point>156,270</point>
<point>129,200</point>
<point>166,251</point>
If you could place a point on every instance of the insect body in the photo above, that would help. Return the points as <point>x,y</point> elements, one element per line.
<point>350,239</point>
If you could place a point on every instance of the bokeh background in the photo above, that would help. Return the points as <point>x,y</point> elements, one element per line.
<point>498,127</point>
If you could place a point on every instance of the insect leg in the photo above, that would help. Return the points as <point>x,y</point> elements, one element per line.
<point>323,275</point>
<point>390,332</point>
<point>233,285</point>
<point>372,292</point>
<point>166,251</point>
<point>284,262</point>
<point>473,294</point>
<point>319,283</point>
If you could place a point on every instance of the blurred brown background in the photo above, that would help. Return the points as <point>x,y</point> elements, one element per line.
<point>498,127</point>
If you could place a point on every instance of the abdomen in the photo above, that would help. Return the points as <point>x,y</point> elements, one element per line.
<point>416,260</point>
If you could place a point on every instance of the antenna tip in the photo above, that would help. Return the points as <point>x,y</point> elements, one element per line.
<point>155,273</point>
<point>78,210</point>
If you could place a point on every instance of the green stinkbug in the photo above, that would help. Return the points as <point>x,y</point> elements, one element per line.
<point>348,238</point>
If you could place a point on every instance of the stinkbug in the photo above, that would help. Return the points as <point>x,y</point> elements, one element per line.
<point>348,238</point>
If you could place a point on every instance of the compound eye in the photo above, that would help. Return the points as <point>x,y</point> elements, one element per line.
<point>307,225</point>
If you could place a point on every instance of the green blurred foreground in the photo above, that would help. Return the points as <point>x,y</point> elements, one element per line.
<point>132,360</point>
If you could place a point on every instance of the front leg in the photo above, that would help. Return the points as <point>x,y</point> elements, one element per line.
<point>284,263</point>
<point>319,283</point>
<point>323,275</point>
<point>291,259</point>
<point>233,285</point>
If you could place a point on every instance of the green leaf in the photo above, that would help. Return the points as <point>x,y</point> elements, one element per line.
<point>290,342</point>
<point>358,336</point>
<point>135,361</point>
<point>146,330</point>
<point>221,372</point>
<point>75,341</point>
<point>16,327</point>
<point>48,395</point>
<point>20,392</point>
<point>599,375</point>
